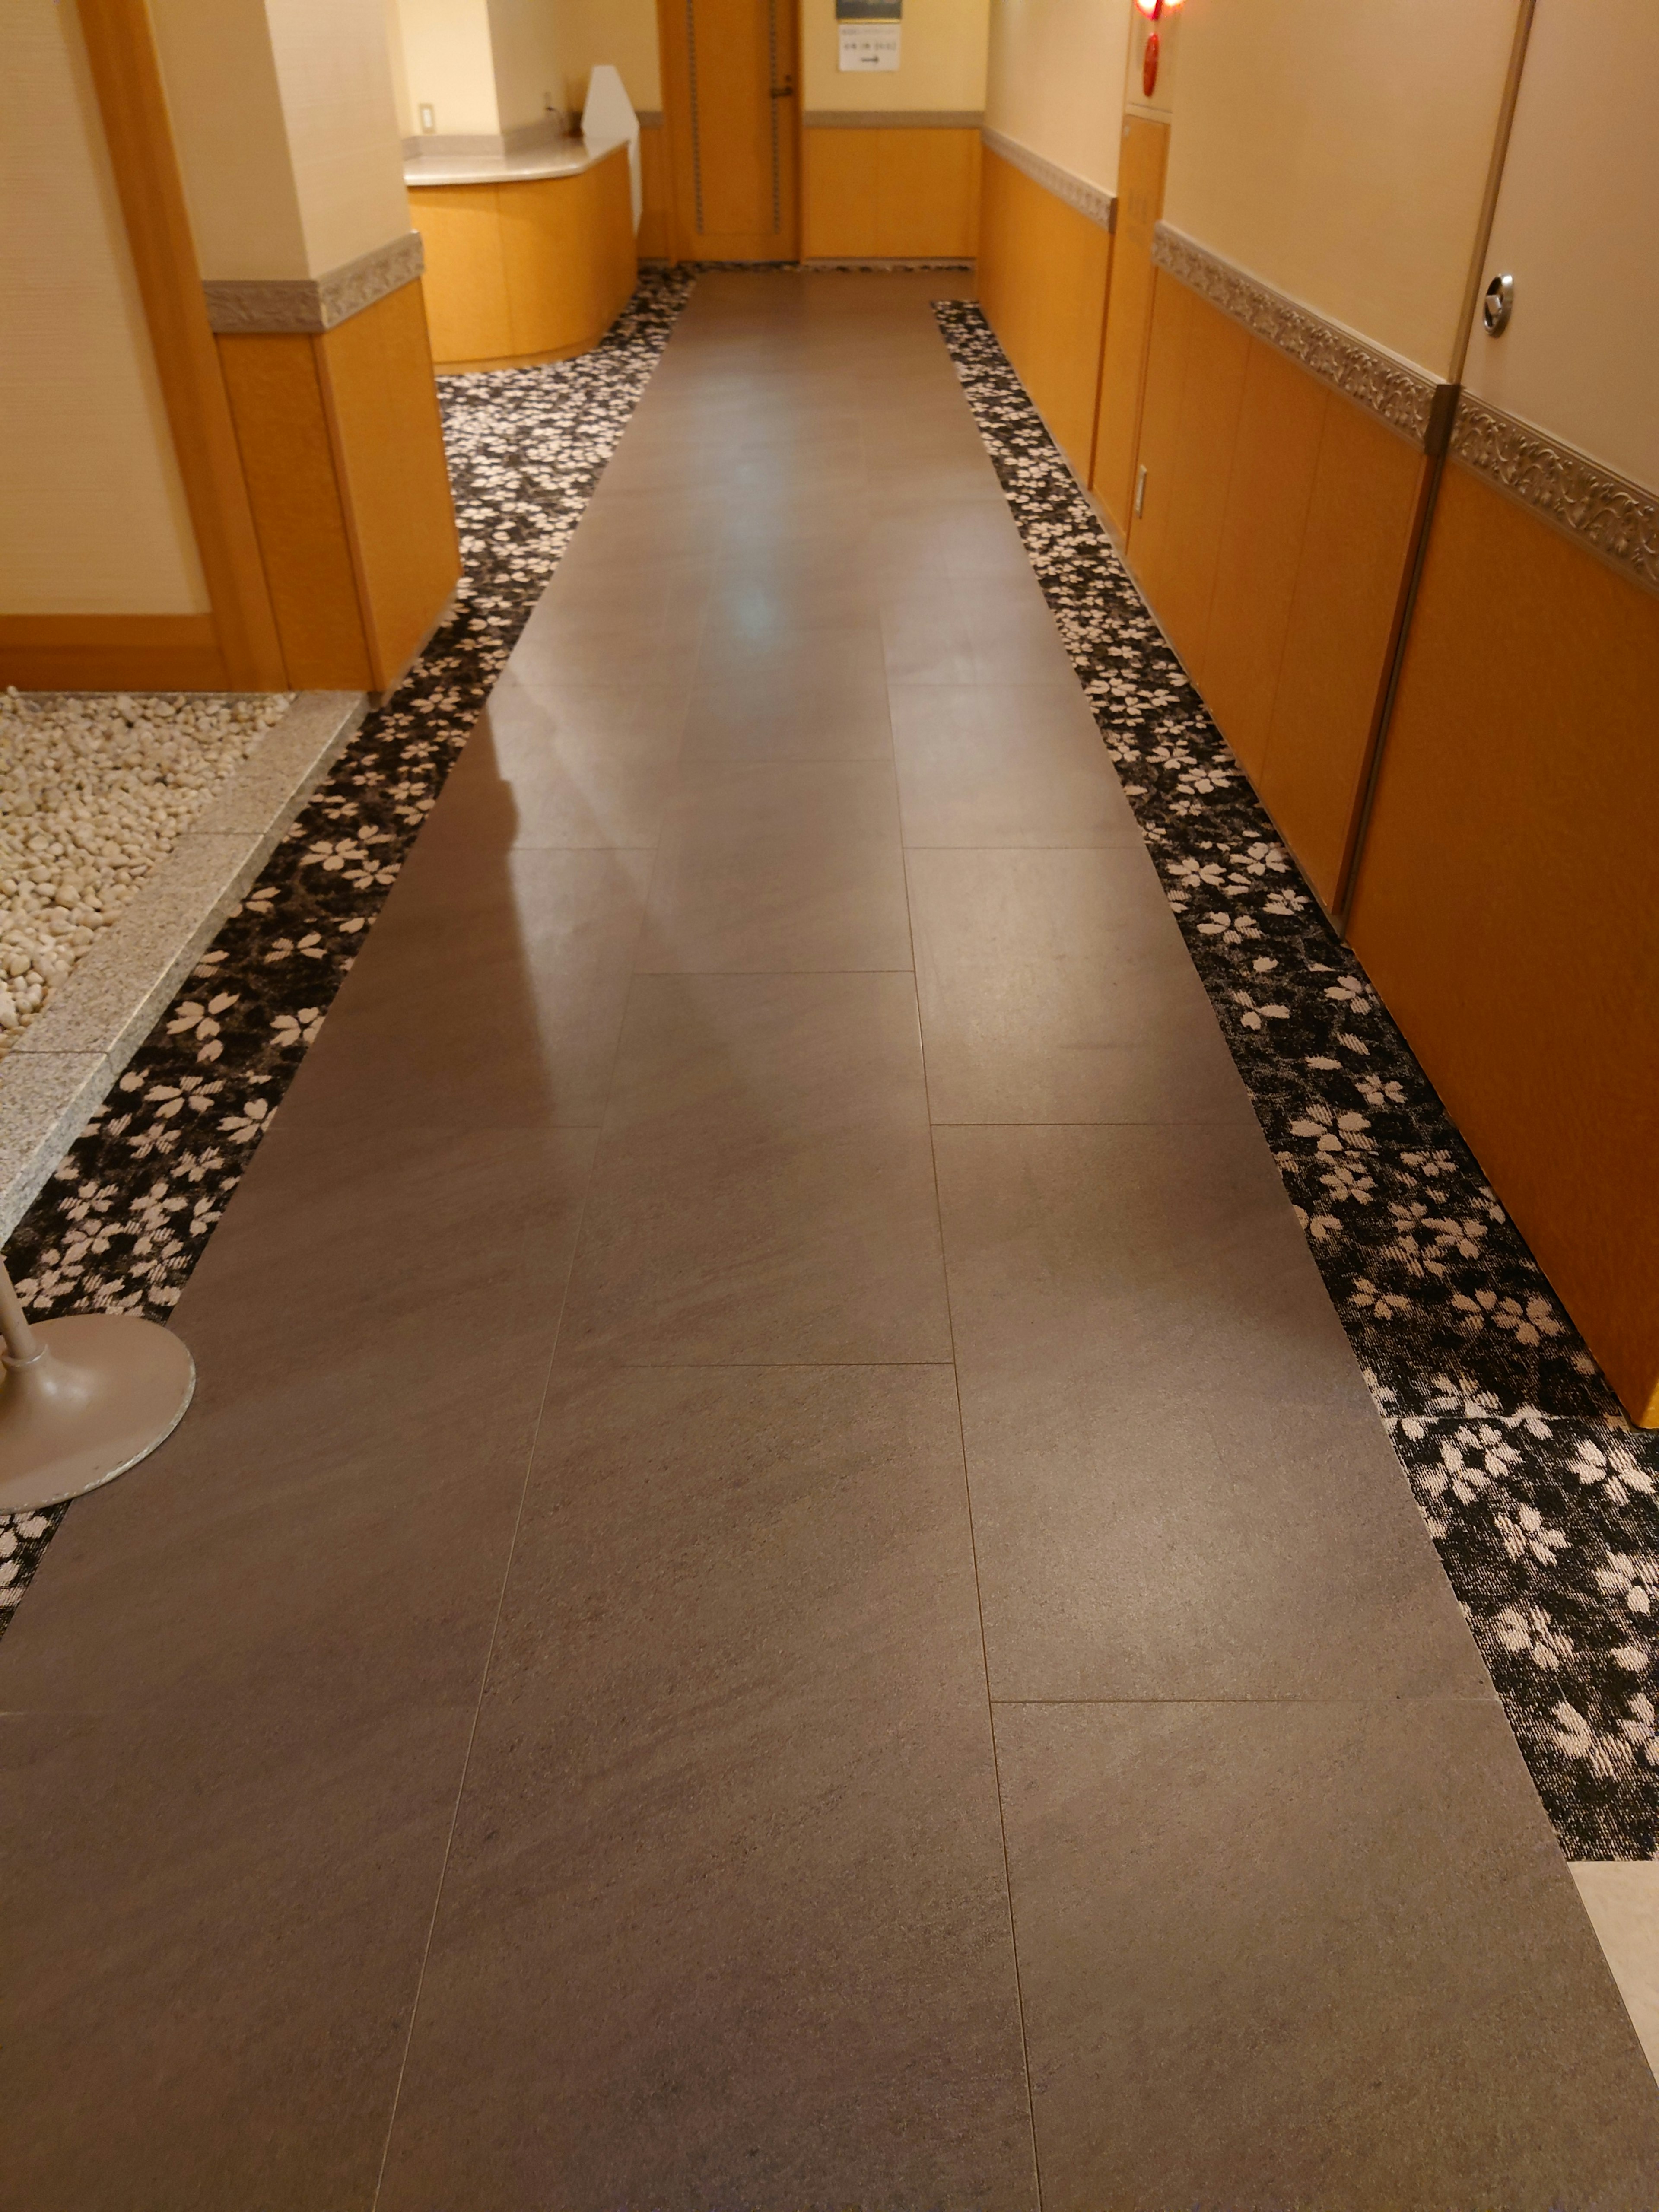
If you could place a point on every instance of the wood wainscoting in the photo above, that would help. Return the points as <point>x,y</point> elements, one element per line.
<point>1141,164</point>
<point>112,653</point>
<point>342,450</point>
<point>1043,272</point>
<point>1507,901</point>
<point>533,271</point>
<point>890,194</point>
<point>1275,543</point>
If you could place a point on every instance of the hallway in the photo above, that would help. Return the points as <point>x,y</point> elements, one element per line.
<point>783,1590</point>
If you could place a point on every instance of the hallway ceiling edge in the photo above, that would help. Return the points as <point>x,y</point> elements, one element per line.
<point>1405,397</point>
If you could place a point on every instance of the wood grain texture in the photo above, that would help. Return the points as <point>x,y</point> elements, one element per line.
<point>121,52</point>
<point>1043,273</point>
<point>1128,316</point>
<point>656,235</point>
<point>1365,512</point>
<point>281,427</point>
<point>1194,392</point>
<point>375,374</point>
<point>890,195</point>
<point>1278,532</point>
<point>1270,481</point>
<point>1507,894</point>
<point>730,204</point>
<point>111,652</point>
<point>525,271</point>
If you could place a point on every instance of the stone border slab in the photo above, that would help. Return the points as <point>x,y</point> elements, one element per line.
<point>61,1068</point>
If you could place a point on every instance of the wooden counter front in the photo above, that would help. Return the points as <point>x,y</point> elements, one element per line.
<point>526,270</point>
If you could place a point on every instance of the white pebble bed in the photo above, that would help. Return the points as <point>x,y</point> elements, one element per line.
<point>94,792</point>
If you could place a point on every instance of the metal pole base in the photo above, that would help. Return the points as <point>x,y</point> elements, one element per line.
<point>104,1390</point>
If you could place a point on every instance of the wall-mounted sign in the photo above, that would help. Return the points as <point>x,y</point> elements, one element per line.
<point>869,31</point>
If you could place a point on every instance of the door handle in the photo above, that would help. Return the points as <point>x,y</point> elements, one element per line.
<point>786,90</point>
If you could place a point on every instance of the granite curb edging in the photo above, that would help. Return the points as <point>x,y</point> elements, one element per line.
<point>58,1072</point>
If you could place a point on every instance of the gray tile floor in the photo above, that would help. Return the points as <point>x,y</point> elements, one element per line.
<point>783,1592</point>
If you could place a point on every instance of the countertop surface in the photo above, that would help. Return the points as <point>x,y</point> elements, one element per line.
<point>560,157</point>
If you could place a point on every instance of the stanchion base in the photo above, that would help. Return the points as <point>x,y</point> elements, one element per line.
<point>105,1390</point>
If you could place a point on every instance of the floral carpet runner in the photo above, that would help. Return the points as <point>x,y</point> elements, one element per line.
<point>1540,1499</point>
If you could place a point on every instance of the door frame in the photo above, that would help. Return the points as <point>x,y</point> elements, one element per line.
<point>674,45</point>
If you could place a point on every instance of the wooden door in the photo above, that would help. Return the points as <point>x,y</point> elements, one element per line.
<point>730,78</point>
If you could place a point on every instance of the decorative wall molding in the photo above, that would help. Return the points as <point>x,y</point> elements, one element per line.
<point>892,119</point>
<point>1404,396</point>
<point>311,304</point>
<point>1092,200</point>
<point>1615,518</point>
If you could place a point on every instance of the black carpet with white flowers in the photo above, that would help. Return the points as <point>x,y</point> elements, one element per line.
<point>1540,1497</point>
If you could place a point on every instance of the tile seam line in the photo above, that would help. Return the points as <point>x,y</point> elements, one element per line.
<point>985,1656</point>
<point>524,1489</point>
<point>477,1710</point>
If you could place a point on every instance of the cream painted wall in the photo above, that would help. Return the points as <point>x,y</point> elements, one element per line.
<point>620,32</point>
<point>1577,226</point>
<point>227,125</point>
<point>526,36</point>
<point>93,519</point>
<point>451,68</point>
<point>1340,150</point>
<point>344,140</point>
<point>408,121</point>
<point>286,124</point>
<point>943,59</point>
<point>1052,83</point>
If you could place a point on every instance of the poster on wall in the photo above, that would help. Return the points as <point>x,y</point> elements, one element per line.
<point>869,31</point>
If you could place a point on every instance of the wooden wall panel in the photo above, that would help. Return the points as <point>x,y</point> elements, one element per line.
<point>388,439</point>
<point>1507,903</point>
<point>1128,316</point>
<point>1188,463</point>
<point>342,453</point>
<point>287,458</point>
<point>527,271</point>
<point>1362,524</point>
<point>111,652</point>
<point>656,234</point>
<point>1276,538</point>
<point>465,279</point>
<point>1269,485</point>
<point>901,195</point>
<point>1043,272</point>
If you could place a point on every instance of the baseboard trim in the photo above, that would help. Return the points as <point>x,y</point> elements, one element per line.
<point>111,652</point>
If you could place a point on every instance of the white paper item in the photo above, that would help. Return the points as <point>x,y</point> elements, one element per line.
<point>869,46</point>
<point>608,120</point>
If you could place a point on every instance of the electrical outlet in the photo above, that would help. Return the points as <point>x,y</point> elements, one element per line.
<point>1141,491</point>
<point>428,118</point>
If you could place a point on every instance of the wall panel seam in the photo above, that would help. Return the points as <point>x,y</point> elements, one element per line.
<point>1405,397</point>
<point>1606,512</point>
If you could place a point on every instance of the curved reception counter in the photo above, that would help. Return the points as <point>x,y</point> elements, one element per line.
<point>529,256</point>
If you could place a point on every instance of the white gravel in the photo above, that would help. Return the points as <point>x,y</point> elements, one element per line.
<point>94,792</point>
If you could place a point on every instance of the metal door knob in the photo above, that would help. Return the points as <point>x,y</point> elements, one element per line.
<point>1499,305</point>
